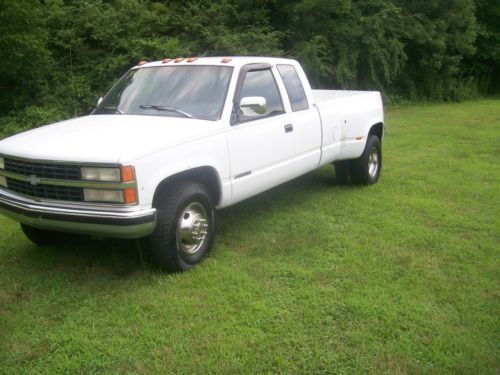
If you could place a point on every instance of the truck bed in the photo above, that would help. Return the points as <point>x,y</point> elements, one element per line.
<point>346,117</point>
<point>325,95</point>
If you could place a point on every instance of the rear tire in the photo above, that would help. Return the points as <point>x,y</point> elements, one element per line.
<point>366,169</point>
<point>41,237</point>
<point>185,226</point>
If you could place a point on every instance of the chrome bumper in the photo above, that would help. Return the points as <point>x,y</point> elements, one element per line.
<point>82,220</point>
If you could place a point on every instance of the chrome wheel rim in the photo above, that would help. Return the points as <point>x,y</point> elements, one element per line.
<point>373,161</point>
<point>192,229</point>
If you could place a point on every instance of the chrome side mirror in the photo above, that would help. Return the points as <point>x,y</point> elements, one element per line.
<point>253,105</point>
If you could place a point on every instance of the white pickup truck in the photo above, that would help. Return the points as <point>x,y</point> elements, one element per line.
<point>175,139</point>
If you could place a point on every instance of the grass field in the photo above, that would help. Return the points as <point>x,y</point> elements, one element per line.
<point>311,277</point>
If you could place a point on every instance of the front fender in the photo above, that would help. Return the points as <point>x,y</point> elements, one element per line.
<point>153,169</point>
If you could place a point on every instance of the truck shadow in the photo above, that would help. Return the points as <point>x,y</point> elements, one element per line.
<point>282,197</point>
<point>83,255</point>
<point>121,258</point>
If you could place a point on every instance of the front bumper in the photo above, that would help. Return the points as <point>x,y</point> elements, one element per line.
<point>82,220</point>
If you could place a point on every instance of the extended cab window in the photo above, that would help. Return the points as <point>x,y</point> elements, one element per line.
<point>261,83</point>
<point>294,87</point>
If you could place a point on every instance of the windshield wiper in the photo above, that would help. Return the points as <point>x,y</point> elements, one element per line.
<point>166,108</point>
<point>115,109</point>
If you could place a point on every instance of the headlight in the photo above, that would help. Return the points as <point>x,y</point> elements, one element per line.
<point>101,174</point>
<point>124,192</point>
<point>3,181</point>
<point>2,164</point>
<point>99,195</point>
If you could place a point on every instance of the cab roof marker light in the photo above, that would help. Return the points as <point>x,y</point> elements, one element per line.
<point>142,62</point>
<point>164,61</point>
<point>225,60</point>
<point>178,60</point>
<point>191,59</point>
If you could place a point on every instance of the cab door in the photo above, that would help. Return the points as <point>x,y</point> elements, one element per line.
<point>305,120</point>
<point>261,143</point>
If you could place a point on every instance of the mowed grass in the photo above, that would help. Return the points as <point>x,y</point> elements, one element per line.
<point>310,277</point>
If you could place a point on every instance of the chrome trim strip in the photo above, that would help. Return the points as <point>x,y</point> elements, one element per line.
<point>247,173</point>
<point>36,208</point>
<point>98,206</point>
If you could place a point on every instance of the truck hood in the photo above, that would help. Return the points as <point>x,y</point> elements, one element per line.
<point>105,138</point>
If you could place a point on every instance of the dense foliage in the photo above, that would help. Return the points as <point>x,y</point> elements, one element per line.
<point>59,56</point>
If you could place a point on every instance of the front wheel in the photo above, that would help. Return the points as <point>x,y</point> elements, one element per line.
<point>366,169</point>
<point>185,226</point>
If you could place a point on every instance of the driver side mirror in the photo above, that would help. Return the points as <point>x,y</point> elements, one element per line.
<point>253,105</point>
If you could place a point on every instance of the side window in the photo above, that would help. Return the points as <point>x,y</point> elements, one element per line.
<point>262,83</point>
<point>294,87</point>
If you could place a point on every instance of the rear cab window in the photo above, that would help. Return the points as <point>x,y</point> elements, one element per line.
<point>293,86</point>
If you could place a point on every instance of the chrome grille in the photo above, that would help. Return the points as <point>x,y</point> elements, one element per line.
<point>44,170</point>
<point>40,169</point>
<point>64,193</point>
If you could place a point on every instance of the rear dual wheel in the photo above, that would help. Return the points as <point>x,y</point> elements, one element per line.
<point>364,170</point>
<point>342,172</point>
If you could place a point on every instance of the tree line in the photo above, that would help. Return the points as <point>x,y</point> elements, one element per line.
<point>59,56</point>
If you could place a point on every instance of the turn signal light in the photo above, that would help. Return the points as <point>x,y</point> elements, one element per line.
<point>127,173</point>
<point>129,196</point>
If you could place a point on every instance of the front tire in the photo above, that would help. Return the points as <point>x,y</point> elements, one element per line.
<point>41,237</point>
<point>366,169</point>
<point>185,226</point>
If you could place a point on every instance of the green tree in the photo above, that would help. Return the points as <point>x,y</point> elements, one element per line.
<point>484,65</point>
<point>25,58</point>
<point>59,56</point>
<point>439,34</point>
<point>227,27</point>
<point>348,43</point>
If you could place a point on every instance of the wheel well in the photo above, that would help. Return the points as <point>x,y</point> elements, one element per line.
<point>378,130</point>
<point>207,176</point>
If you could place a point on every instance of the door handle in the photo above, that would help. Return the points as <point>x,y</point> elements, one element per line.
<point>288,128</point>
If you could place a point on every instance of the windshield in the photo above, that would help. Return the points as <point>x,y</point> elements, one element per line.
<point>177,91</point>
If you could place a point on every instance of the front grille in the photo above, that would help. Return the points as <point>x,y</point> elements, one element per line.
<point>43,170</point>
<point>64,193</point>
